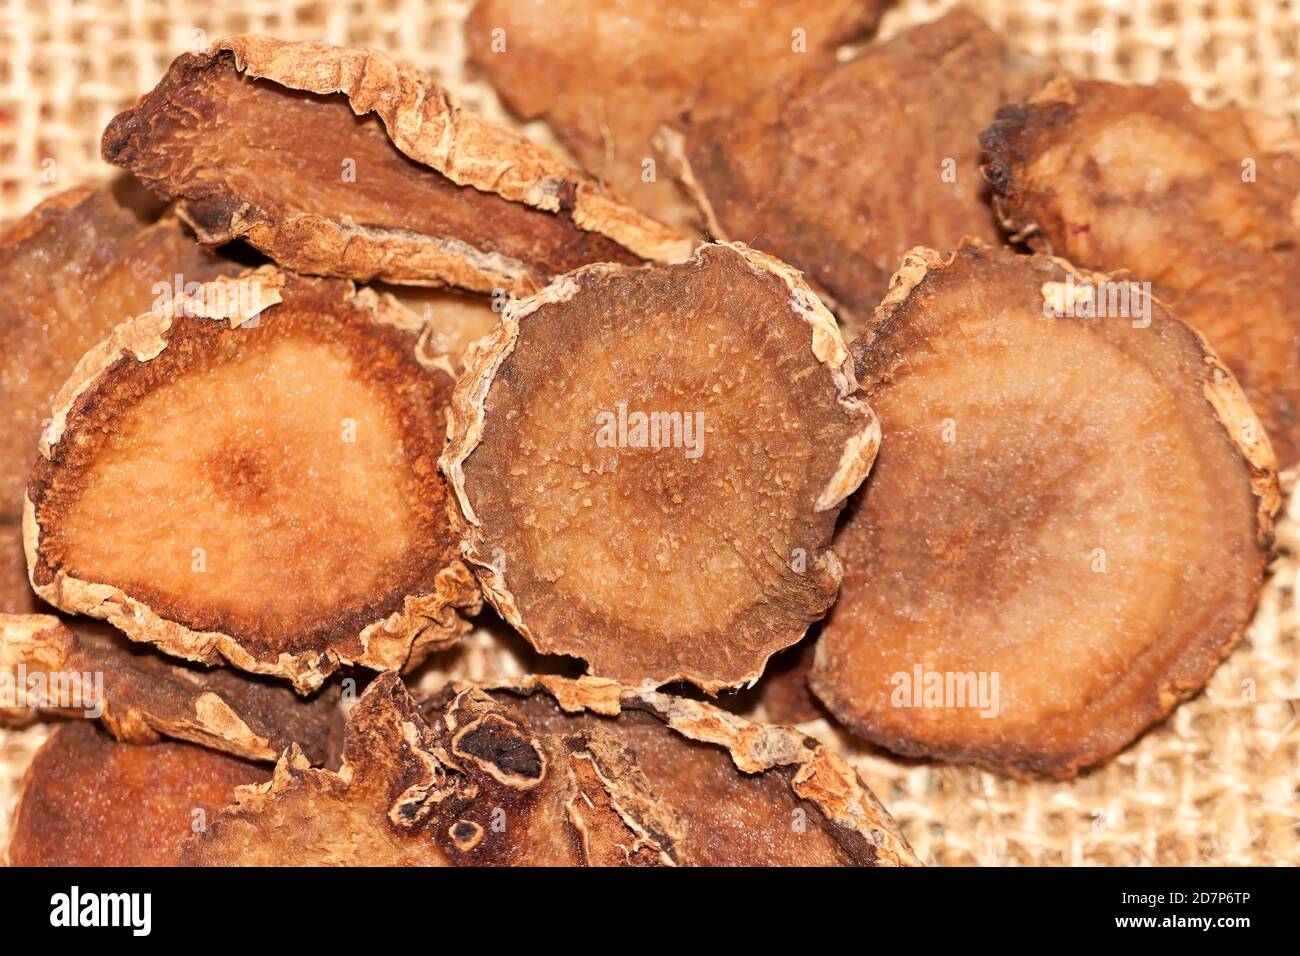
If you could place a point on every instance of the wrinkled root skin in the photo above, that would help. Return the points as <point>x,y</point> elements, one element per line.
<point>444,197</point>
<point>518,775</point>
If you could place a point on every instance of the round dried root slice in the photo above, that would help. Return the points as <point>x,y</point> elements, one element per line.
<point>499,777</point>
<point>342,162</point>
<point>1067,527</point>
<point>1201,203</point>
<point>649,463</point>
<point>141,696</point>
<point>250,474</point>
<point>90,801</point>
<point>606,74</point>
<point>76,266</point>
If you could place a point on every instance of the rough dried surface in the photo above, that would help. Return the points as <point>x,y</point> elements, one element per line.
<point>341,162</point>
<point>143,697</point>
<point>745,793</point>
<point>76,266</point>
<point>478,777</point>
<point>841,170</point>
<point>90,801</point>
<point>690,551</point>
<point>1201,203</point>
<point>1066,529</point>
<point>608,74</point>
<point>257,482</point>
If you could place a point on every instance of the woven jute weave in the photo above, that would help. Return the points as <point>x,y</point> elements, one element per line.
<point>1219,782</point>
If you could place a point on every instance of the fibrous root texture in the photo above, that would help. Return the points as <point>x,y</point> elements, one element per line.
<point>525,775</point>
<point>1066,528</point>
<point>648,465</point>
<point>250,475</point>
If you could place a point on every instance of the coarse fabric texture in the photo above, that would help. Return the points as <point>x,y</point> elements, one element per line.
<point>1218,783</point>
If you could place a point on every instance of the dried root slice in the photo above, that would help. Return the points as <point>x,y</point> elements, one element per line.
<point>141,697</point>
<point>842,169</point>
<point>251,474</point>
<point>1067,526</point>
<point>76,266</point>
<point>90,801</point>
<point>608,74</point>
<point>479,777</point>
<point>649,462</point>
<point>275,141</point>
<point>1204,204</point>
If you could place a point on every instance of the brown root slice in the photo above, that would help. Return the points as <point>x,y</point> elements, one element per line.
<point>694,560</point>
<point>275,141</point>
<point>1078,508</point>
<point>76,266</point>
<point>652,64</point>
<point>88,800</point>
<point>250,474</point>
<point>483,777</point>
<point>1201,203</point>
<point>141,697</point>
<point>842,169</point>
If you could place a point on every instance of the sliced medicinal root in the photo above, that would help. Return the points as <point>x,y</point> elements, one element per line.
<point>251,474</point>
<point>1067,527</point>
<point>141,697</point>
<point>341,162</point>
<point>1203,204</point>
<point>842,169</point>
<point>88,800</point>
<point>76,266</point>
<point>519,776</point>
<point>608,74</point>
<point>649,462</point>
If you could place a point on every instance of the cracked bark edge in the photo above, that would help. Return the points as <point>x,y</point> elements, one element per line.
<point>467,416</point>
<point>44,641</point>
<point>427,124</point>
<point>608,810</point>
<point>426,622</point>
<point>820,776</point>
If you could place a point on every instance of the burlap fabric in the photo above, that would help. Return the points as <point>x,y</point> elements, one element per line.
<point>1219,782</point>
